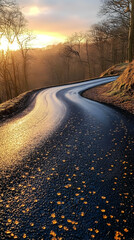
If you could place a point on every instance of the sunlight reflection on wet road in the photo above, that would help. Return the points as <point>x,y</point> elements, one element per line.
<point>19,136</point>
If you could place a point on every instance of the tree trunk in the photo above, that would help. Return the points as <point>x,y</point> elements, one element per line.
<point>14,75</point>
<point>88,59</point>
<point>131,34</point>
<point>25,73</point>
<point>68,69</point>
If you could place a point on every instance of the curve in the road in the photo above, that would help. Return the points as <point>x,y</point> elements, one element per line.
<point>20,135</point>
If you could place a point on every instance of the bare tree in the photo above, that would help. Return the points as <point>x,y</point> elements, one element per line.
<point>12,22</point>
<point>116,8</point>
<point>24,41</point>
<point>122,10</point>
<point>12,28</point>
<point>100,38</point>
<point>88,40</point>
<point>76,40</point>
<point>67,53</point>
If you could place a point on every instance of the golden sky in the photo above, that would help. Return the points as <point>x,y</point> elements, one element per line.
<point>53,20</point>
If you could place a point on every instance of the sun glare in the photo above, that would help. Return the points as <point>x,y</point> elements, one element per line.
<point>40,41</point>
<point>43,40</point>
<point>34,11</point>
<point>5,45</point>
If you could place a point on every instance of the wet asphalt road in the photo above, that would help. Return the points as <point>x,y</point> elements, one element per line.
<point>76,184</point>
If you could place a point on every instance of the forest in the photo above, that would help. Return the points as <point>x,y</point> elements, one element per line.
<point>84,55</point>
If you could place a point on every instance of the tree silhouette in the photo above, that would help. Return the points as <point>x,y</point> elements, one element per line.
<point>122,10</point>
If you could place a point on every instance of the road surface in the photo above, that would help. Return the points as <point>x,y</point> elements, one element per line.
<point>66,169</point>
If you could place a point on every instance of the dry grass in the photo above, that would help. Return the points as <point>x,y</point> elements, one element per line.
<point>16,105</point>
<point>117,69</point>
<point>119,93</point>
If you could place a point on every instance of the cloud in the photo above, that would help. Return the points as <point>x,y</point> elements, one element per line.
<point>35,11</point>
<point>63,16</point>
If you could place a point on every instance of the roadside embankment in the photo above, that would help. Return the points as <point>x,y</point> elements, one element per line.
<point>119,93</point>
<point>117,69</point>
<point>16,105</point>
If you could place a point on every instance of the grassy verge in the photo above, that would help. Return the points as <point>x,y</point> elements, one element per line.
<point>119,93</point>
<point>16,105</point>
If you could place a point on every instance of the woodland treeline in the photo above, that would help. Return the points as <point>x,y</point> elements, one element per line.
<point>84,55</point>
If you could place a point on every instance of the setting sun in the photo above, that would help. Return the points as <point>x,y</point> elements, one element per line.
<point>34,11</point>
<point>40,41</point>
<point>5,45</point>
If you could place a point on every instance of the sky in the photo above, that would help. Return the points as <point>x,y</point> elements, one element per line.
<point>52,21</point>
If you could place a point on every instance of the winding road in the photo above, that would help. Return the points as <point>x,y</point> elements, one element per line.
<point>66,168</point>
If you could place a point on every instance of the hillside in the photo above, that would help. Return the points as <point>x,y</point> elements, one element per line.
<point>117,69</point>
<point>119,93</point>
